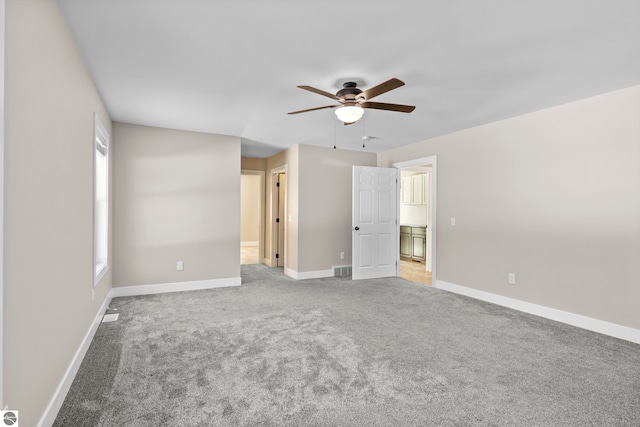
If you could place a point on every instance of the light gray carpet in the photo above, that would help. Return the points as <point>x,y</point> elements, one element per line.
<point>336,352</point>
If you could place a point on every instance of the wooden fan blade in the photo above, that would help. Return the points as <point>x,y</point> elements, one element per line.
<point>314,109</point>
<point>320,92</point>
<point>348,123</point>
<point>381,88</point>
<point>390,107</point>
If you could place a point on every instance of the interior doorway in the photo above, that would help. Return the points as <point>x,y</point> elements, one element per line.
<point>251,217</point>
<point>278,247</point>
<point>417,220</point>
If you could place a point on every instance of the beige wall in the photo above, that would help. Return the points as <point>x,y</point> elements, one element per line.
<point>253,164</point>
<point>250,191</point>
<point>50,105</point>
<point>325,205</point>
<point>177,198</point>
<point>553,196</point>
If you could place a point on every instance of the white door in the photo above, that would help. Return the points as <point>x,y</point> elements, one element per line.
<point>374,222</point>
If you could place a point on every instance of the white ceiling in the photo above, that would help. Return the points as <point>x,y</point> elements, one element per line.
<point>232,67</point>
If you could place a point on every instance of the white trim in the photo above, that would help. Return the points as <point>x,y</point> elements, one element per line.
<point>433,227</point>
<point>320,274</point>
<point>127,291</point>
<point>57,400</point>
<point>584,322</point>
<point>249,243</point>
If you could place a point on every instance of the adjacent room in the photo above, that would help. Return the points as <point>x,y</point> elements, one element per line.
<point>320,213</point>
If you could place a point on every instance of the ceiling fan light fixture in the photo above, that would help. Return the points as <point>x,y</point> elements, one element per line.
<point>349,114</point>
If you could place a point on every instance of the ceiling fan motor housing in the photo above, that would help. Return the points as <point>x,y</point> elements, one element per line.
<point>349,93</point>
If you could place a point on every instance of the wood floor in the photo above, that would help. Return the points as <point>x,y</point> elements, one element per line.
<point>249,255</point>
<point>415,271</point>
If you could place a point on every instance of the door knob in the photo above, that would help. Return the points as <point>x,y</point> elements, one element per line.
<point>356,228</point>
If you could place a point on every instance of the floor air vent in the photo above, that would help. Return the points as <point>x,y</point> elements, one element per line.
<point>110,317</point>
<point>344,270</point>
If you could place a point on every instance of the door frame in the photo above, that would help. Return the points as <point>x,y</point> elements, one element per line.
<point>261,214</point>
<point>273,226</point>
<point>424,161</point>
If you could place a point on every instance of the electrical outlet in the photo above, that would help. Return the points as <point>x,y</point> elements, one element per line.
<point>341,255</point>
<point>180,266</point>
<point>512,278</point>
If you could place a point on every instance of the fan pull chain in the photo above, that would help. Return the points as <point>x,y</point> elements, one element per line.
<point>364,119</point>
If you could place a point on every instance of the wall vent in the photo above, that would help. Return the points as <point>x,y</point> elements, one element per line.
<point>342,271</point>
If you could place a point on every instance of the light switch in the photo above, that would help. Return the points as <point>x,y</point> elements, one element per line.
<point>453,222</point>
<point>180,266</point>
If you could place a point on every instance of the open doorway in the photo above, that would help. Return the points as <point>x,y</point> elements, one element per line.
<point>278,216</point>
<point>251,217</point>
<point>416,218</point>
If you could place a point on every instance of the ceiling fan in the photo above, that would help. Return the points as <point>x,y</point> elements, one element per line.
<point>352,100</point>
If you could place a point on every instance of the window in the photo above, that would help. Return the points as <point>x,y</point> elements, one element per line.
<point>100,202</point>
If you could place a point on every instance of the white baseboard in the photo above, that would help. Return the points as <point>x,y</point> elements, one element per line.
<point>128,291</point>
<point>589,323</point>
<point>308,274</point>
<point>249,243</point>
<point>56,402</point>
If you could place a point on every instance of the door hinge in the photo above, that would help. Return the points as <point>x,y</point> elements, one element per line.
<point>277,219</point>
<point>277,256</point>
<point>277,184</point>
